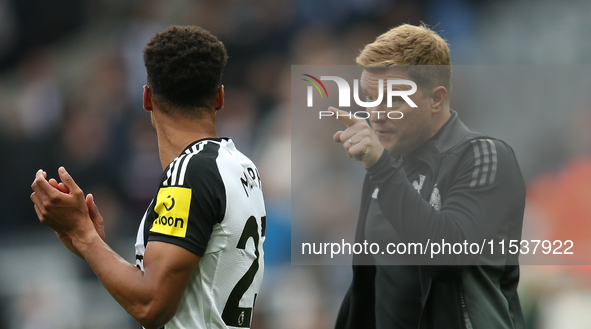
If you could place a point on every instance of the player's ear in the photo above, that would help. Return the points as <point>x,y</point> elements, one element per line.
<point>219,98</point>
<point>438,97</point>
<point>147,99</point>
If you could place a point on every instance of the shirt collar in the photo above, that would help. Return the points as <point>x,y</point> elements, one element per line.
<point>213,139</point>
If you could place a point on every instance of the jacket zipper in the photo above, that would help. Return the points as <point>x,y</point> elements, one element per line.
<point>464,310</point>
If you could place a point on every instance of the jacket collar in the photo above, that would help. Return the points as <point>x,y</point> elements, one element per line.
<point>450,135</point>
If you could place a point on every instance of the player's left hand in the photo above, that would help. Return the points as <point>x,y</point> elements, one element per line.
<point>61,207</point>
<point>359,139</point>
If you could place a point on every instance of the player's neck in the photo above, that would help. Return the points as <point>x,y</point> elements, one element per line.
<point>175,134</point>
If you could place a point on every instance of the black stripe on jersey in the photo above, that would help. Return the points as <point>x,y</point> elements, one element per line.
<point>198,171</point>
<point>485,162</point>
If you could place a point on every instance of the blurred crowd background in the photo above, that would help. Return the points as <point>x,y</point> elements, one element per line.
<point>71,77</point>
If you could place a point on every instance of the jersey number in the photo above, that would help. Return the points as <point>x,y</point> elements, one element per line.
<point>234,315</point>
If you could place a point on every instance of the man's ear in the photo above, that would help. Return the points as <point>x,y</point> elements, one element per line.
<point>147,100</point>
<point>219,98</point>
<point>438,97</point>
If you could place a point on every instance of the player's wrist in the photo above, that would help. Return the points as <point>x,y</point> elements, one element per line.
<point>84,239</point>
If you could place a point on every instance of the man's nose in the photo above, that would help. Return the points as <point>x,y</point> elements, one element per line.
<point>377,114</point>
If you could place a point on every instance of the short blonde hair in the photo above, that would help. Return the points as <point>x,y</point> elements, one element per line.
<point>414,47</point>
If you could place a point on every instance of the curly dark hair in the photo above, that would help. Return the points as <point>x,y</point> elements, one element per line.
<point>184,65</point>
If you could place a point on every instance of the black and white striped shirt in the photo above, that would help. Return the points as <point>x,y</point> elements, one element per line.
<point>210,202</point>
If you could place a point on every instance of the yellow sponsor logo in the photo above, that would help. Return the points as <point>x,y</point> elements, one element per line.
<point>172,208</point>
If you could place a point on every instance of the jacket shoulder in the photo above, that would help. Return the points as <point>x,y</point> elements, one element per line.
<point>488,159</point>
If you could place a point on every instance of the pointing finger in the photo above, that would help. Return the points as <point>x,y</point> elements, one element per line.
<point>344,116</point>
<point>337,136</point>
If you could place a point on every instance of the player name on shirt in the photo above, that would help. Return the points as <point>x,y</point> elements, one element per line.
<point>250,179</point>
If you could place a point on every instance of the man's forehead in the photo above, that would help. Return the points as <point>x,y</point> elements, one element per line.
<point>370,78</point>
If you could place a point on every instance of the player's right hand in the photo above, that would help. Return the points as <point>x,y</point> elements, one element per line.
<point>93,211</point>
<point>95,216</point>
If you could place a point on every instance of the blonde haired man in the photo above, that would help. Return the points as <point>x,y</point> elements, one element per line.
<point>428,177</point>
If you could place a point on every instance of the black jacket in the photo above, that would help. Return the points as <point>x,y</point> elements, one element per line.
<point>472,189</point>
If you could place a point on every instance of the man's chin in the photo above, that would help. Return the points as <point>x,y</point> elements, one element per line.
<point>390,146</point>
<point>394,148</point>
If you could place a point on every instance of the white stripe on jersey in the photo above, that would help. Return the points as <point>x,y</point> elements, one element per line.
<point>169,173</point>
<point>177,163</point>
<point>173,176</point>
<point>188,158</point>
<point>192,149</point>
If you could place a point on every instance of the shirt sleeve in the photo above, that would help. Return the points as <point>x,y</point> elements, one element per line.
<point>487,192</point>
<point>186,214</point>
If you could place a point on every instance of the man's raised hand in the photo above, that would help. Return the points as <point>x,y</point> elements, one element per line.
<point>97,221</point>
<point>359,140</point>
<point>63,207</point>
